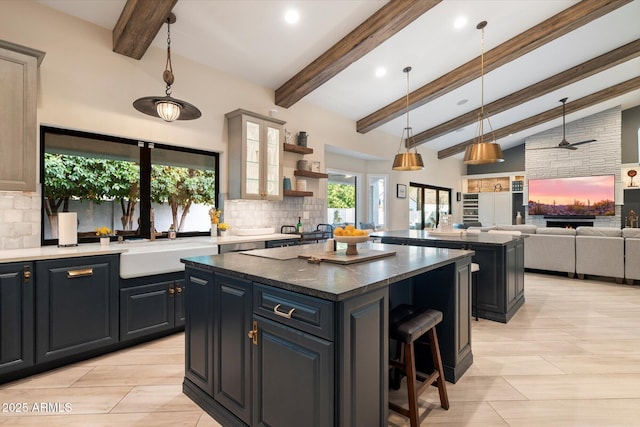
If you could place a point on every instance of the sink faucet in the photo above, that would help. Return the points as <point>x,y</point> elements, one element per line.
<point>152,222</point>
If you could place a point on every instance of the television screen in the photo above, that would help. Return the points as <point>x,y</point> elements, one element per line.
<point>589,195</point>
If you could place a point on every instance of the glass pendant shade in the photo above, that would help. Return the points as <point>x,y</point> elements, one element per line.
<point>166,107</point>
<point>168,110</point>
<point>483,153</point>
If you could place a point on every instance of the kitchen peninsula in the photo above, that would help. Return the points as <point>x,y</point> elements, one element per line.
<point>272,339</point>
<point>500,281</point>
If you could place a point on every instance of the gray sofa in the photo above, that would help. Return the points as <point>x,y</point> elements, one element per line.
<point>551,249</point>
<point>598,251</point>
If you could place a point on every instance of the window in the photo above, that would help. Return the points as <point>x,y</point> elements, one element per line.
<point>114,182</point>
<point>341,199</point>
<point>426,204</point>
<point>378,200</point>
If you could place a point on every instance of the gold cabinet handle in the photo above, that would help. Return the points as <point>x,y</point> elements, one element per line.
<point>72,274</point>
<point>253,333</point>
<point>26,273</point>
<point>286,315</point>
<point>179,289</point>
<point>172,291</point>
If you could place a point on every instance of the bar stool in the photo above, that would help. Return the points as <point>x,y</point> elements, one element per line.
<point>406,324</point>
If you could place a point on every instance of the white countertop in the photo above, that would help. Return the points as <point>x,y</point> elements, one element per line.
<point>130,246</point>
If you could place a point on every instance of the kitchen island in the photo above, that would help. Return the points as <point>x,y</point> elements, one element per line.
<point>500,281</point>
<point>272,339</point>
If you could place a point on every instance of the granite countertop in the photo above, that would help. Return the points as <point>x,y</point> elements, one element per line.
<point>484,237</point>
<point>327,280</point>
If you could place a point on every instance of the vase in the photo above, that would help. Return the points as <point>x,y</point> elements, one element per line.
<point>223,233</point>
<point>214,230</point>
<point>104,241</point>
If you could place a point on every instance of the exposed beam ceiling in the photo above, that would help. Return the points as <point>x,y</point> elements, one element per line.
<point>574,74</point>
<point>380,26</point>
<point>579,104</point>
<point>547,31</point>
<point>139,24</point>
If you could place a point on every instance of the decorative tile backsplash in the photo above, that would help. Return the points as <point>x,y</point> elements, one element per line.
<point>262,213</point>
<point>20,219</point>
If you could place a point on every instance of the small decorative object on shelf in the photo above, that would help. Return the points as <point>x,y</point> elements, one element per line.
<point>287,137</point>
<point>172,232</point>
<point>302,138</point>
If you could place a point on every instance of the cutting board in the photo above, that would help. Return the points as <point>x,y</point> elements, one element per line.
<point>340,257</point>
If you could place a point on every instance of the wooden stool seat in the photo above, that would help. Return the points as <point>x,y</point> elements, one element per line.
<point>406,325</point>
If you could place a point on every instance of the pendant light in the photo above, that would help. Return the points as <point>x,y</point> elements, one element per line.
<point>167,107</point>
<point>407,161</point>
<point>481,152</point>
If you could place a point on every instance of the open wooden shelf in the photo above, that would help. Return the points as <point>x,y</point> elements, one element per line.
<point>297,149</point>
<point>310,174</point>
<point>294,193</point>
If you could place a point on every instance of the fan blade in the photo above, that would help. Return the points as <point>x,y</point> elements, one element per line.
<point>583,142</point>
<point>544,148</point>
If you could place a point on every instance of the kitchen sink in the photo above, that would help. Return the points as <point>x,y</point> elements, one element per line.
<point>146,258</point>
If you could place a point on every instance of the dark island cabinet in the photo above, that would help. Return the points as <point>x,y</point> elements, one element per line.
<point>151,305</point>
<point>16,316</point>
<point>500,284</point>
<point>232,312</point>
<point>250,359</point>
<point>76,306</point>
<point>198,329</point>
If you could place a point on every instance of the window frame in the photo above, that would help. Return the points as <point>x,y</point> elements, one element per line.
<point>144,150</point>
<point>438,189</point>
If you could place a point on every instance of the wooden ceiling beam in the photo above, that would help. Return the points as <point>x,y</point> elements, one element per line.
<point>579,104</point>
<point>387,21</point>
<point>138,25</point>
<point>562,23</point>
<point>567,77</point>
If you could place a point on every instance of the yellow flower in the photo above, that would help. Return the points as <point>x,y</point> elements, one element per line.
<point>103,231</point>
<point>223,226</point>
<point>214,214</point>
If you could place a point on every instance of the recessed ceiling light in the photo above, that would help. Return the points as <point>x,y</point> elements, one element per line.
<point>460,22</point>
<point>291,16</point>
<point>462,102</point>
<point>381,71</point>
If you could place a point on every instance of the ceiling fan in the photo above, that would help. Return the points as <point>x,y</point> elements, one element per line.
<point>564,143</point>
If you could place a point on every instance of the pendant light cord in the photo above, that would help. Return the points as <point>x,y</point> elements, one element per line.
<point>480,136</point>
<point>168,69</point>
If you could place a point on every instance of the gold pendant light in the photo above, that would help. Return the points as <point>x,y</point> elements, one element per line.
<point>481,152</point>
<point>167,107</point>
<point>407,161</point>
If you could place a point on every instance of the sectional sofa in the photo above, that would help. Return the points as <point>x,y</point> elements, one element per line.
<point>597,251</point>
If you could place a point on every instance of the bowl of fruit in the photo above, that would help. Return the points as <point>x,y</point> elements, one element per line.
<point>351,236</point>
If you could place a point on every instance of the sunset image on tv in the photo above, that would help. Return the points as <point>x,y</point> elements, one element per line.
<point>592,195</point>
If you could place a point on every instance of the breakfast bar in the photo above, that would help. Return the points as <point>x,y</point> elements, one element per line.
<point>500,281</point>
<point>275,339</point>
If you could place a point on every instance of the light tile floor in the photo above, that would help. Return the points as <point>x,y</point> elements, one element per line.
<point>570,357</point>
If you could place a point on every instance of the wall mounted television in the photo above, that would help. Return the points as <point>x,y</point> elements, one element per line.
<point>578,196</point>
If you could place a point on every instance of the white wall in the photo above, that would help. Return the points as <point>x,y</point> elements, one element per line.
<point>84,85</point>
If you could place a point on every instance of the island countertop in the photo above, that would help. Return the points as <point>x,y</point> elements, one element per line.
<point>326,280</point>
<point>455,235</point>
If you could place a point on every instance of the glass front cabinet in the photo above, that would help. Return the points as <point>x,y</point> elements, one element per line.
<point>255,156</point>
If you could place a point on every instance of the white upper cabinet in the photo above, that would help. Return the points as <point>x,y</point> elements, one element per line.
<point>255,156</point>
<point>18,120</point>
